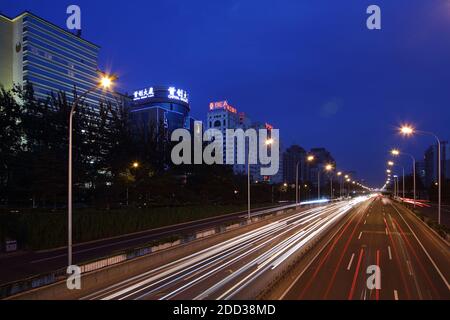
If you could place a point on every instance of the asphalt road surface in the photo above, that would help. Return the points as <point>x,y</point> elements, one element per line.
<point>414,262</point>
<point>231,269</point>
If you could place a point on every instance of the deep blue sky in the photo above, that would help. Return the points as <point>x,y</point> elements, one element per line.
<point>310,67</point>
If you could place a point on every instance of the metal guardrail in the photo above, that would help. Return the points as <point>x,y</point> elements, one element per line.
<point>38,281</point>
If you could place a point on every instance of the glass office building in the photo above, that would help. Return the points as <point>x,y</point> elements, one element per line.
<point>161,107</point>
<point>52,59</point>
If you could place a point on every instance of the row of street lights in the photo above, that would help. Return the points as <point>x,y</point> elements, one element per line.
<point>327,168</point>
<point>408,131</point>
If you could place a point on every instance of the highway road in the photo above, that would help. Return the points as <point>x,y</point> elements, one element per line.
<point>414,262</point>
<point>19,266</point>
<point>233,269</point>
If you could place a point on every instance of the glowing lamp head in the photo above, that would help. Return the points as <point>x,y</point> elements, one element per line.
<point>339,173</point>
<point>310,158</point>
<point>395,152</point>
<point>328,167</point>
<point>135,165</point>
<point>269,142</point>
<point>407,130</point>
<point>106,81</point>
<point>388,171</point>
<point>390,163</point>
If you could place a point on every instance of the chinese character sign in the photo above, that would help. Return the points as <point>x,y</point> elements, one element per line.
<point>178,94</point>
<point>144,94</point>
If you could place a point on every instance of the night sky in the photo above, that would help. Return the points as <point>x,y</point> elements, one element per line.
<point>309,67</point>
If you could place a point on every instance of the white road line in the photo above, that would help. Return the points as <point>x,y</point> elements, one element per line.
<point>390,253</point>
<point>395,295</point>
<point>360,234</point>
<point>408,263</point>
<point>424,250</point>
<point>365,221</point>
<point>310,263</point>
<point>386,231</point>
<point>350,262</point>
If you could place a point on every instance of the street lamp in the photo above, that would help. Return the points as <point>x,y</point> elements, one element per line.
<point>407,131</point>
<point>395,186</point>
<point>392,164</point>
<point>310,159</point>
<point>134,165</point>
<point>341,175</point>
<point>329,168</point>
<point>296,183</point>
<point>268,142</point>
<point>396,152</point>
<point>105,82</point>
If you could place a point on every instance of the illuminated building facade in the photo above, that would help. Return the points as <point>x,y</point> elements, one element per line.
<point>163,107</point>
<point>37,52</point>
<point>223,116</point>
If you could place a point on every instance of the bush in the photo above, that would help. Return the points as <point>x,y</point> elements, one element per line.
<point>39,230</point>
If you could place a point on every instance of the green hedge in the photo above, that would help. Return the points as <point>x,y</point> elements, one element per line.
<point>39,230</point>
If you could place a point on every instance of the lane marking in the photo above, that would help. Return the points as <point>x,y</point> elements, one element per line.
<point>389,252</point>
<point>365,221</point>
<point>351,261</point>
<point>426,252</point>
<point>395,295</point>
<point>360,234</point>
<point>355,276</point>
<point>408,264</point>
<point>332,238</point>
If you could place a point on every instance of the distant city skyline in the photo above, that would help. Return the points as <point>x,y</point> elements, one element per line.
<point>311,69</point>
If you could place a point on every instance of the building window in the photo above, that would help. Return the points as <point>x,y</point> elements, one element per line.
<point>217,123</point>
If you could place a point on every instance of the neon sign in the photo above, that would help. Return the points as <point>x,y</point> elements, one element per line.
<point>221,105</point>
<point>178,94</point>
<point>144,94</point>
<point>172,93</point>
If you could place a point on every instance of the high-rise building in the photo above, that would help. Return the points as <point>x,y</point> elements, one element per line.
<point>421,171</point>
<point>223,116</point>
<point>431,163</point>
<point>50,58</point>
<point>161,107</point>
<point>291,157</point>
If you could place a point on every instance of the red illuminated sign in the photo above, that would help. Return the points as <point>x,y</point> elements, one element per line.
<point>222,105</point>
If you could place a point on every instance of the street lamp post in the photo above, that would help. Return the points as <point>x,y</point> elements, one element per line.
<point>408,131</point>
<point>397,152</point>
<point>340,174</point>
<point>329,168</point>
<point>392,164</point>
<point>267,142</point>
<point>105,83</point>
<point>248,185</point>
<point>310,159</point>
<point>296,184</point>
